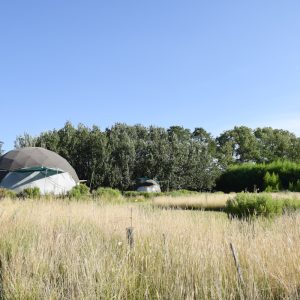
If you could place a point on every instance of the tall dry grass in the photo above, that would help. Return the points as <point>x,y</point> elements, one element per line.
<point>210,201</point>
<point>65,250</point>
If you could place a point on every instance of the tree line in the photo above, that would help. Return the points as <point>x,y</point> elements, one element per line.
<point>179,158</point>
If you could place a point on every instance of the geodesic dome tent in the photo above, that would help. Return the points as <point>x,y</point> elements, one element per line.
<point>36,167</point>
<point>148,185</point>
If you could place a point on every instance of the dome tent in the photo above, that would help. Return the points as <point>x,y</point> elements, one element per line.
<point>148,185</point>
<point>36,167</point>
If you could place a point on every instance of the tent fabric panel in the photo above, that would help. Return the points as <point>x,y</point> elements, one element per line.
<point>41,169</point>
<point>56,184</point>
<point>149,189</point>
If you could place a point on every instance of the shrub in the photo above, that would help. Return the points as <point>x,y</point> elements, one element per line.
<point>5,193</point>
<point>294,187</point>
<point>107,193</point>
<point>79,191</point>
<point>246,205</point>
<point>271,182</point>
<point>31,193</point>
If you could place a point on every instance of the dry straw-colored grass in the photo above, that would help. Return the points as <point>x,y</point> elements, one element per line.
<point>208,201</point>
<point>77,250</point>
<point>202,201</point>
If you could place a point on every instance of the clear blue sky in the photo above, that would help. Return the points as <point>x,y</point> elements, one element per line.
<point>211,64</point>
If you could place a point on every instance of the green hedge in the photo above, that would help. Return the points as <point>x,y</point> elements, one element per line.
<point>250,177</point>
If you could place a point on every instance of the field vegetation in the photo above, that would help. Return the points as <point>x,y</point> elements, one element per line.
<point>179,158</point>
<point>204,201</point>
<point>62,249</point>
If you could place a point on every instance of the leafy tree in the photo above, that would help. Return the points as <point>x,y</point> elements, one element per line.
<point>121,157</point>
<point>275,144</point>
<point>177,157</point>
<point>25,140</point>
<point>238,145</point>
<point>205,139</point>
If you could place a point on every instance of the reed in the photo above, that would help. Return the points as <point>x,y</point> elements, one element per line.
<point>78,250</point>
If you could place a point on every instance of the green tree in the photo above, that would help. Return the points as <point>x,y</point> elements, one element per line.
<point>275,144</point>
<point>121,157</point>
<point>177,158</point>
<point>25,140</point>
<point>238,145</point>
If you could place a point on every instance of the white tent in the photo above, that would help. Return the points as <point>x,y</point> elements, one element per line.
<point>149,186</point>
<point>36,167</point>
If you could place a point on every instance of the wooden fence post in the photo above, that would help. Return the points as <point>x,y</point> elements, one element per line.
<point>130,237</point>
<point>238,267</point>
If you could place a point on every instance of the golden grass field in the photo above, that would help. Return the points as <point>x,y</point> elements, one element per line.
<point>201,201</point>
<point>209,201</point>
<point>78,250</point>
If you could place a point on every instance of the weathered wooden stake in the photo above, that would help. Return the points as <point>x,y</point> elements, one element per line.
<point>238,267</point>
<point>130,237</point>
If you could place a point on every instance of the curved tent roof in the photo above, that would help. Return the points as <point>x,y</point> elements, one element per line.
<point>149,182</point>
<point>35,157</point>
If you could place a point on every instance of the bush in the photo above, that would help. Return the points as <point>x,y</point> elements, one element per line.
<point>271,182</point>
<point>294,187</point>
<point>30,193</point>
<point>5,193</point>
<point>79,191</point>
<point>107,193</point>
<point>246,205</point>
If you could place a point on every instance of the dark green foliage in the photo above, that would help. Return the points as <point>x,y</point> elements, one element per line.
<point>250,177</point>
<point>177,157</point>
<point>294,186</point>
<point>246,205</point>
<point>107,193</point>
<point>79,191</point>
<point>30,193</point>
<point>117,156</point>
<point>5,193</point>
